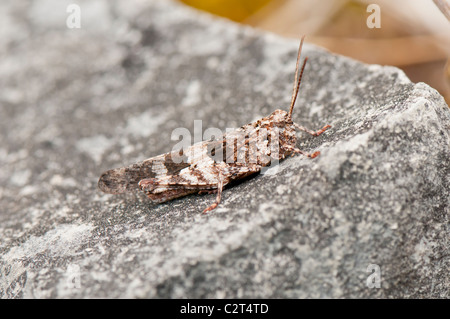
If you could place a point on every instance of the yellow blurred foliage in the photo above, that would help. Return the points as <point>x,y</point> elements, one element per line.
<point>237,10</point>
<point>414,35</point>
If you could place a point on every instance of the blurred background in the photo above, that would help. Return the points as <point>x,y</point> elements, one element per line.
<point>413,35</point>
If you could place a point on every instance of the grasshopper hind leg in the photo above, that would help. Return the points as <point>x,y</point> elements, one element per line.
<point>161,191</point>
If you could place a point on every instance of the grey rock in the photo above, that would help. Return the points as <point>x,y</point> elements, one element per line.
<point>76,102</point>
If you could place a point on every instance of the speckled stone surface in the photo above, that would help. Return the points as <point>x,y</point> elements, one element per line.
<point>76,102</point>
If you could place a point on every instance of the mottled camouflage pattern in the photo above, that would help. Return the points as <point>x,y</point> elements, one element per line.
<point>210,165</point>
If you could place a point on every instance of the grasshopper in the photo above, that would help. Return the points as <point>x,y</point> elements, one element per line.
<point>208,166</point>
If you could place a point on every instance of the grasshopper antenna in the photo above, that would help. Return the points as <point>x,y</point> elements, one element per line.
<point>298,79</point>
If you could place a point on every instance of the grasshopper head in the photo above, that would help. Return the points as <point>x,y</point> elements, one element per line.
<point>282,122</point>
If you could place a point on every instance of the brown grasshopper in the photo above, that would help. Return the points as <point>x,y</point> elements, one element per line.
<point>207,167</point>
